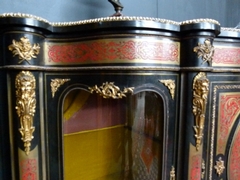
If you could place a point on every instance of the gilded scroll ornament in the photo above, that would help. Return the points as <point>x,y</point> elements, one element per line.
<point>219,166</point>
<point>56,83</point>
<point>24,50</point>
<point>200,95</point>
<point>205,51</point>
<point>170,84</point>
<point>172,173</point>
<point>25,85</point>
<point>109,90</point>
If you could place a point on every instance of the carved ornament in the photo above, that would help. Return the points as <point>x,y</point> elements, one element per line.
<point>25,85</point>
<point>170,84</point>
<point>56,83</point>
<point>24,50</point>
<point>219,166</point>
<point>200,95</point>
<point>109,90</point>
<point>205,51</point>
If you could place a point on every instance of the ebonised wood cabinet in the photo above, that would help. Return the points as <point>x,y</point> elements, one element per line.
<point>118,98</point>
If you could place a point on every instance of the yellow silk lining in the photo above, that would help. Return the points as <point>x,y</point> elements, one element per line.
<point>94,154</point>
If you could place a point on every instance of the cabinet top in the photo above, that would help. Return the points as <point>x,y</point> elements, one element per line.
<point>107,22</point>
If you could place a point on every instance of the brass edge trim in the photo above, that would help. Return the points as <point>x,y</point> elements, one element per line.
<point>213,130</point>
<point>205,51</point>
<point>114,18</point>
<point>107,19</point>
<point>56,83</point>
<point>226,70</point>
<point>201,20</point>
<point>206,69</point>
<point>88,21</point>
<point>109,90</point>
<point>196,68</point>
<point>16,67</point>
<point>42,125</point>
<point>25,84</point>
<point>230,29</point>
<point>170,84</point>
<point>200,96</point>
<point>215,88</point>
<point>24,50</point>
<point>22,15</point>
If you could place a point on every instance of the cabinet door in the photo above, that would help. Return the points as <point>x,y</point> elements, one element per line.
<point>223,145</point>
<point>111,125</point>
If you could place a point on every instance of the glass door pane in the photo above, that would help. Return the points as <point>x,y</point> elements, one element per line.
<point>112,138</point>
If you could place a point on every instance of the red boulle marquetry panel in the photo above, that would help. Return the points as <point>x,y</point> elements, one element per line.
<point>113,51</point>
<point>195,172</point>
<point>234,157</point>
<point>29,169</point>
<point>229,108</point>
<point>228,56</point>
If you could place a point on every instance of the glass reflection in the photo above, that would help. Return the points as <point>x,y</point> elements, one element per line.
<point>110,139</point>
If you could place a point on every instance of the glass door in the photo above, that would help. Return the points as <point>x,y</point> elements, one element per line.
<point>110,139</point>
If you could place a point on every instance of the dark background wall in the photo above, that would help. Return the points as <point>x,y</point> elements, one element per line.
<point>225,11</point>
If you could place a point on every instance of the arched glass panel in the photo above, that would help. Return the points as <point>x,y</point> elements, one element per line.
<point>110,139</point>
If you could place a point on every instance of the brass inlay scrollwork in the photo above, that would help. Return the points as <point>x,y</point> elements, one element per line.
<point>219,166</point>
<point>205,51</point>
<point>24,49</point>
<point>25,85</point>
<point>172,173</point>
<point>200,95</point>
<point>109,90</point>
<point>56,83</point>
<point>171,86</point>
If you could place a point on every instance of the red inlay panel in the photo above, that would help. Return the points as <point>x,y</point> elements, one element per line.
<point>196,167</point>
<point>234,162</point>
<point>114,51</point>
<point>229,107</point>
<point>29,169</point>
<point>226,56</point>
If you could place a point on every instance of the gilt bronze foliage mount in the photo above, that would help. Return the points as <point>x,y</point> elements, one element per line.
<point>109,90</point>
<point>205,51</point>
<point>24,49</point>
<point>200,96</point>
<point>25,85</point>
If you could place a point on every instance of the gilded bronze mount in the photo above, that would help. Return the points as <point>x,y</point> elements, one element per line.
<point>25,85</point>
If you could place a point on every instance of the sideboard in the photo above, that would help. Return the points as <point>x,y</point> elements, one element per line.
<point>119,98</point>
